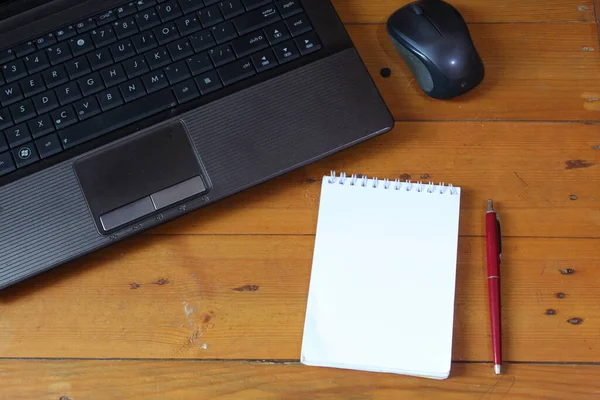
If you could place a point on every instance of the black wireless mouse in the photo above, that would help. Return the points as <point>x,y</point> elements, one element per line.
<point>434,41</point>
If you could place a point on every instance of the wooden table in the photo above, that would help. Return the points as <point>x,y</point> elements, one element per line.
<point>212,306</point>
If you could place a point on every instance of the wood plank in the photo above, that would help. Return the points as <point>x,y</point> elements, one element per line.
<point>522,166</point>
<point>244,297</point>
<point>527,76</point>
<point>378,11</point>
<point>182,380</point>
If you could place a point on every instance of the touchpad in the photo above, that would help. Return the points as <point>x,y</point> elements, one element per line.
<point>137,177</point>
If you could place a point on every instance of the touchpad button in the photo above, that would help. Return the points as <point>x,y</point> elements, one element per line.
<point>136,177</point>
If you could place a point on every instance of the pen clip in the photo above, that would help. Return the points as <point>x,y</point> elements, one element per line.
<point>499,227</point>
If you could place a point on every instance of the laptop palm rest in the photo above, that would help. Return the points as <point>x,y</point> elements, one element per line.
<point>137,177</point>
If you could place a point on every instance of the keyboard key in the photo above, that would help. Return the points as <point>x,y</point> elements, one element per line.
<point>113,75</point>
<point>81,44</point>
<point>158,58</point>
<point>286,52</point>
<point>236,71</point>
<point>177,72</point>
<point>277,33</point>
<point>14,70</point>
<point>59,53</point>
<point>36,62</point>
<point>308,43</point>
<point>127,9</point>
<point>252,4</point>
<point>32,85</point>
<point>10,94</point>
<point>222,55</point>
<point>103,36</point>
<point>298,24</point>
<point>78,67</point>
<point>5,118</point>
<point>143,4</point>
<point>136,66</point>
<point>144,41</point>
<point>250,44</point>
<point>45,41</point>
<point>91,84</point>
<point>147,19</point>
<point>208,82</point>
<point>210,16</point>
<point>41,125</point>
<point>25,155</point>
<point>287,8</point>
<point>64,117</point>
<point>180,49</point>
<point>186,91</point>
<point>3,144</point>
<point>65,33</point>
<point>100,59</point>
<point>118,118</point>
<point>87,108</point>
<point>68,93</point>
<point>126,27</point>
<point>2,81</point>
<point>85,25</point>
<point>6,56</point>
<point>187,6</point>
<point>7,164</point>
<point>132,90</point>
<point>110,99</point>
<point>22,111</point>
<point>231,8</point>
<point>224,32</point>
<point>122,50</point>
<point>45,102</point>
<point>17,135</point>
<point>155,81</point>
<point>264,60</point>
<point>169,11</point>
<point>48,145</point>
<point>106,17</point>
<point>202,40</point>
<point>200,63</point>
<point>166,33</point>
<point>24,48</point>
<point>188,24</point>
<point>256,19</point>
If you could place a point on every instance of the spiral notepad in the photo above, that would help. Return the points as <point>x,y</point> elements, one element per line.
<point>382,285</point>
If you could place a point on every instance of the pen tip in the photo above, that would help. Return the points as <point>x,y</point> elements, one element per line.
<point>497,369</point>
<point>490,205</point>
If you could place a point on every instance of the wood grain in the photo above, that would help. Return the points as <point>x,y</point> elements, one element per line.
<point>183,380</point>
<point>378,11</point>
<point>527,76</point>
<point>522,166</point>
<point>244,297</point>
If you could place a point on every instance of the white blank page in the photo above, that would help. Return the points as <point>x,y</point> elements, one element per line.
<point>382,284</point>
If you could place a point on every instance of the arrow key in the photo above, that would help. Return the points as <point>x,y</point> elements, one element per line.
<point>48,145</point>
<point>264,60</point>
<point>277,33</point>
<point>286,51</point>
<point>308,43</point>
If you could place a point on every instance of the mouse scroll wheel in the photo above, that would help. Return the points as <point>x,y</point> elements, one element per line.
<point>416,9</point>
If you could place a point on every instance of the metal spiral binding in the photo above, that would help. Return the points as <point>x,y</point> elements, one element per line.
<point>363,181</point>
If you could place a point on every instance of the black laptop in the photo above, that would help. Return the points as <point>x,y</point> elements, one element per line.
<point>119,116</point>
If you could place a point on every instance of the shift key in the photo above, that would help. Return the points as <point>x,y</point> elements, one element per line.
<point>236,71</point>
<point>257,19</point>
<point>250,43</point>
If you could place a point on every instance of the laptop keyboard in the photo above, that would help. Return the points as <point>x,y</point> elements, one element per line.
<point>106,72</point>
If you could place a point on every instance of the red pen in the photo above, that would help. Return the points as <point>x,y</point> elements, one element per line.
<point>494,258</point>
